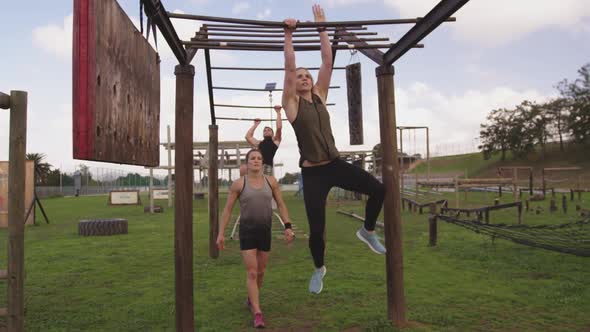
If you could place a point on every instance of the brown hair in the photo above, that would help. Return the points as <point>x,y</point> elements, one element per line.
<point>248,154</point>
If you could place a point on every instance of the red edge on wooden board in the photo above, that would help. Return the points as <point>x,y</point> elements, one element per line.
<point>83,78</point>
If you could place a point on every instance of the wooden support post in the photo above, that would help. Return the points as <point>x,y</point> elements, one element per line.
<point>553,192</point>
<point>213,192</point>
<point>552,205</point>
<point>531,182</point>
<point>16,210</point>
<point>428,153</point>
<point>519,207</point>
<point>4,101</point>
<point>403,205</point>
<point>487,216</point>
<point>390,170</point>
<point>564,203</point>
<point>169,168</point>
<point>500,190</point>
<point>432,229</point>
<point>456,192</point>
<point>183,198</point>
<point>416,186</point>
<point>151,190</point>
<point>543,182</point>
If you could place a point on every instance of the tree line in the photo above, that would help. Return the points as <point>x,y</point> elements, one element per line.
<point>531,124</point>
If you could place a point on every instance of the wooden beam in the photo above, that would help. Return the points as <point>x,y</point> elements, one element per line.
<point>213,192</point>
<point>183,198</point>
<point>352,39</point>
<point>5,101</point>
<point>440,13</point>
<point>16,210</point>
<point>155,9</point>
<point>396,306</point>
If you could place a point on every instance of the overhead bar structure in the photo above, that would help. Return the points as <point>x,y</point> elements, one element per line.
<point>277,36</point>
<point>250,89</point>
<point>254,106</point>
<point>269,68</point>
<point>347,38</point>
<point>210,27</point>
<point>440,13</point>
<point>281,24</point>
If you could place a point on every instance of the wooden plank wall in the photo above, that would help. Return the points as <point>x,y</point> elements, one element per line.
<point>29,191</point>
<point>116,87</point>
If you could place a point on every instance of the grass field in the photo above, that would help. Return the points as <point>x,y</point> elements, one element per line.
<point>126,282</point>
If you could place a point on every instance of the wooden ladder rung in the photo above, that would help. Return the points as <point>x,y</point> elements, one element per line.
<point>3,274</point>
<point>3,312</point>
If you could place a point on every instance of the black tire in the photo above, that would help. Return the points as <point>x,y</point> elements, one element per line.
<point>100,227</point>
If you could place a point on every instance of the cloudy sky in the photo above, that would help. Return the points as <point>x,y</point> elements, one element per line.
<point>498,53</point>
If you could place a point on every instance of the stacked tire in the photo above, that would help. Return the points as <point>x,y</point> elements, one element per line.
<point>102,227</point>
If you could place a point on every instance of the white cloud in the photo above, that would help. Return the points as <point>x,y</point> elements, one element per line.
<point>264,14</point>
<point>55,39</point>
<point>343,3</point>
<point>493,23</point>
<point>240,7</point>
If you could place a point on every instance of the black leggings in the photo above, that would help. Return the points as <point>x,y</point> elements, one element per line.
<point>317,182</point>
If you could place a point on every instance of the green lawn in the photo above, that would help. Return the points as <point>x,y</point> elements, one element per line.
<point>126,282</point>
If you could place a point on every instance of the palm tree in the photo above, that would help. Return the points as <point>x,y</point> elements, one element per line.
<point>42,169</point>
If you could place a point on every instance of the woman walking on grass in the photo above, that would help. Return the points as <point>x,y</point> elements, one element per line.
<point>255,192</point>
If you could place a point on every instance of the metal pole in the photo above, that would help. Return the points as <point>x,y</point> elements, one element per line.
<point>183,201</point>
<point>396,307</point>
<point>16,209</point>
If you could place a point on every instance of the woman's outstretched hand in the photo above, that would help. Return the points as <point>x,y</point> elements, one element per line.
<point>318,13</point>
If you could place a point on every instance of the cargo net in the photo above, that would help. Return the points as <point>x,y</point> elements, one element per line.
<point>571,238</point>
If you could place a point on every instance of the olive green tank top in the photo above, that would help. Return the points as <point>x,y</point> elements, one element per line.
<point>313,131</point>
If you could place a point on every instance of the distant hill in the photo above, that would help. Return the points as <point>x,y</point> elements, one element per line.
<point>475,166</point>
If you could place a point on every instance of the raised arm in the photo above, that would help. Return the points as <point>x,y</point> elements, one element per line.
<point>276,193</point>
<point>250,134</point>
<point>233,195</point>
<point>325,73</point>
<point>279,132</point>
<point>290,99</point>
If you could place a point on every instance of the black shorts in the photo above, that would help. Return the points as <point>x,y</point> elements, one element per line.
<point>255,237</point>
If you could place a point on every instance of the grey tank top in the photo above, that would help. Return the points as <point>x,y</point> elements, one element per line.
<point>256,204</point>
